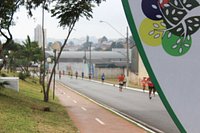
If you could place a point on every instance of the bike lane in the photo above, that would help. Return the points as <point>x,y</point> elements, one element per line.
<point>90,117</point>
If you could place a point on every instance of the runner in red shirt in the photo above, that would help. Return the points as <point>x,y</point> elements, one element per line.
<point>151,86</point>
<point>144,81</point>
<point>121,80</point>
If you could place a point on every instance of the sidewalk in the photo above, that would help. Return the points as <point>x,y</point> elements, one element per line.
<point>90,117</point>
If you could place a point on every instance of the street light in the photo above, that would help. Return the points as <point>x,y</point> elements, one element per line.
<point>55,47</point>
<point>112,27</point>
<point>127,42</point>
<point>48,62</point>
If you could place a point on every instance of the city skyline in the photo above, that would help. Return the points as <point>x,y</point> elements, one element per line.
<point>105,12</point>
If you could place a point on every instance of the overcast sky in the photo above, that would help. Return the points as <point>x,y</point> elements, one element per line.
<point>110,11</point>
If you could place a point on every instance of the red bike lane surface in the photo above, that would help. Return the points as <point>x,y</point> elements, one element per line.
<point>90,117</point>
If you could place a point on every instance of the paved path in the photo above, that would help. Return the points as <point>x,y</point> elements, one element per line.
<point>90,117</point>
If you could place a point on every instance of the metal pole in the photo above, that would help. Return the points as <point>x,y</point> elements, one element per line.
<point>58,65</point>
<point>54,75</point>
<point>127,53</point>
<point>90,63</point>
<point>127,69</point>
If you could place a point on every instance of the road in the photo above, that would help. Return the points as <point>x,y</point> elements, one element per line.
<point>132,103</point>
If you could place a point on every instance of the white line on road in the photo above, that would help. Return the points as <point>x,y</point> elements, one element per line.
<point>83,108</point>
<point>74,101</point>
<point>68,96</point>
<point>110,109</point>
<point>98,120</point>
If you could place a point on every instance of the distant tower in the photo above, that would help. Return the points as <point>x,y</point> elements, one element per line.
<point>38,37</point>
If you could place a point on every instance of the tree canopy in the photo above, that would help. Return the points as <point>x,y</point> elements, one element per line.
<point>68,12</point>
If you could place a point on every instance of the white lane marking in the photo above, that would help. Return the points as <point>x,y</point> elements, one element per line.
<point>74,101</point>
<point>133,121</point>
<point>83,108</point>
<point>98,120</point>
<point>68,96</point>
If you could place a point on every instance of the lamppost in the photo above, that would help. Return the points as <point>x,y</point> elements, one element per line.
<point>7,60</point>
<point>55,47</point>
<point>1,61</point>
<point>48,62</point>
<point>127,49</point>
<point>90,69</point>
<point>90,57</point>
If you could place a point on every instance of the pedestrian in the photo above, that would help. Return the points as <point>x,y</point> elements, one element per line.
<point>102,77</point>
<point>59,74</point>
<point>82,74</point>
<point>63,72</point>
<point>90,76</point>
<point>71,75</point>
<point>151,87</point>
<point>121,80</point>
<point>143,82</point>
<point>76,73</point>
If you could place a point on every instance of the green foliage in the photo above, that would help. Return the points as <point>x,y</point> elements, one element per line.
<point>115,45</point>
<point>68,12</point>
<point>3,75</point>
<point>7,10</point>
<point>23,76</point>
<point>31,50</point>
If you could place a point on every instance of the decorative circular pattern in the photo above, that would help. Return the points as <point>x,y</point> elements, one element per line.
<point>175,45</point>
<point>149,32</point>
<point>170,22</point>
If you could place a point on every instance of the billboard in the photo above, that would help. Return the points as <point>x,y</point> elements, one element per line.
<point>167,36</point>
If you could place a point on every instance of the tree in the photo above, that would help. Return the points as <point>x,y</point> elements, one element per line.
<point>115,45</point>
<point>30,53</point>
<point>7,10</point>
<point>11,51</point>
<point>68,12</point>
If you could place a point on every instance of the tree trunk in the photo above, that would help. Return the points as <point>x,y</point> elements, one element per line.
<point>46,96</point>
<point>54,66</point>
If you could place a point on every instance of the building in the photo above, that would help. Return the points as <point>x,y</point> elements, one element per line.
<point>38,36</point>
<point>112,63</point>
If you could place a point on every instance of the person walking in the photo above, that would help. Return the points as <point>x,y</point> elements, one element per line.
<point>76,73</point>
<point>121,80</point>
<point>102,77</point>
<point>71,74</point>
<point>82,75</point>
<point>59,74</point>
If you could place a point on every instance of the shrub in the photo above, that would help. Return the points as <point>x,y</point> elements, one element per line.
<point>3,75</point>
<point>22,76</point>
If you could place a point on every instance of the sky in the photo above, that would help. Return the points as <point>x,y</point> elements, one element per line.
<point>110,11</point>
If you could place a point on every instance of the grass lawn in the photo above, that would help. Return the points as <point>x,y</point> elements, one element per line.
<point>23,112</point>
